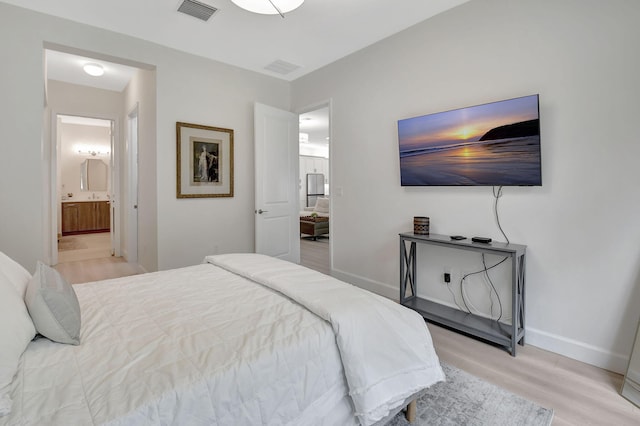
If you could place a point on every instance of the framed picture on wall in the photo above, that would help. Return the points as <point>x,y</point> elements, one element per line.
<point>204,161</point>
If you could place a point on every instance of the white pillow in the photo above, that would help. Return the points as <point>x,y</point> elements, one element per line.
<point>53,306</point>
<point>16,331</point>
<point>17,275</point>
<point>322,205</point>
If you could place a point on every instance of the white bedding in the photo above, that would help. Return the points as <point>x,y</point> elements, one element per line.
<point>386,351</point>
<point>197,345</point>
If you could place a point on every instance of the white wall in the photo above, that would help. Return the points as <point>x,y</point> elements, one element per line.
<point>215,95</point>
<point>583,290</point>
<point>188,88</point>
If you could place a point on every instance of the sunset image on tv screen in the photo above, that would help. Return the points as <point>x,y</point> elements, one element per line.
<point>492,144</point>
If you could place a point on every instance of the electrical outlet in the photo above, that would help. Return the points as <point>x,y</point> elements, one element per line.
<point>446,277</point>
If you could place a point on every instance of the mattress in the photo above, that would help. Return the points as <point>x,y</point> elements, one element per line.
<point>201,345</point>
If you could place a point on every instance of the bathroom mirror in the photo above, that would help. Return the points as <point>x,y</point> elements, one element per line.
<point>631,384</point>
<point>93,175</point>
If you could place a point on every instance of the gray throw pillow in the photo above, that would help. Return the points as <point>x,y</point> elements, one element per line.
<point>53,306</point>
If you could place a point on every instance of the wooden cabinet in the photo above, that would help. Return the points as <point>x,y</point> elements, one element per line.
<point>69,218</point>
<point>103,220</point>
<point>84,217</point>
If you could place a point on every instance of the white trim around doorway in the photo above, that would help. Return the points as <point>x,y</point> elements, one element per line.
<point>328,103</point>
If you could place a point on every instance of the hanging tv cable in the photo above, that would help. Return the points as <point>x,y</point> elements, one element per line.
<point>497,194</point>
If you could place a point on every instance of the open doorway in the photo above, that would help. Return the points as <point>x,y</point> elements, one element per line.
<point>314,190</point>
<point>84,170</point>
<point>89,157</point>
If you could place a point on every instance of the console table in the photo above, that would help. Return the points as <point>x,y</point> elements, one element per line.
<point>506,335</point>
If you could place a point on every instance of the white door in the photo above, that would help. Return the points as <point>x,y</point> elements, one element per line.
<point>276,169</point>
<point>132,190</point>
<point>114,185</point>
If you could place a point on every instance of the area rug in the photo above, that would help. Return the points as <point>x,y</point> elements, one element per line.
<point>71,243</point>
<point>467,400</point>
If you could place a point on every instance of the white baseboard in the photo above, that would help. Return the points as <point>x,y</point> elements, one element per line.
<point>125,257</point>
<point>560,345</point>
<point>576,350</point>
<point>382,289</point>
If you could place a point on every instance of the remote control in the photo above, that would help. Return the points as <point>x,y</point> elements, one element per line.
<point>483,240</point>
<point>458,237</point>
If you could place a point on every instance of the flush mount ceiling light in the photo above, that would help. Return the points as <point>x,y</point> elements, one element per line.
<point>269,7</point>
<point>95,70</point>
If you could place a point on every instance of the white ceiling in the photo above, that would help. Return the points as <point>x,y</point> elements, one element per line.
<point>314,35</point>
<point>68,68</point>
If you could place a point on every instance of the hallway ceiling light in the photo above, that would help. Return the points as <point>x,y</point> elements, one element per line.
<point>269,7</point>
<point>95,70</point>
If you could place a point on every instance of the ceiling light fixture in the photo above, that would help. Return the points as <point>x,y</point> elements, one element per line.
<point>95,70</point>
<point>92,152</point>
<point>269,7</point>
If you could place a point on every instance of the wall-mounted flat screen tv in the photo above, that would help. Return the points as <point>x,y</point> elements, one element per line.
<point>494,144</point>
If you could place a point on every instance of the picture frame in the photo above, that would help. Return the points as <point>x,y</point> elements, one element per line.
<point>204,161</point>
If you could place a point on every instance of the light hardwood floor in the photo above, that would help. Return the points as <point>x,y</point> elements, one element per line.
<point>579,394</point>
<point>84,247</point>
<point>83,271</point>
<point>315,254</point>
<point>88,258</point>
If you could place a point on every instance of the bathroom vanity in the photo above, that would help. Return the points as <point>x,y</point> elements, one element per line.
<point>83,217</point>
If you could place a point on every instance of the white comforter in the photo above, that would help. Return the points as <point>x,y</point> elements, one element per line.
<point>204,346</point>
<point>191,346</point>
<point>386,350</point>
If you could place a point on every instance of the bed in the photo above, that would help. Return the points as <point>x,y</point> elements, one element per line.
<point>241,339</point>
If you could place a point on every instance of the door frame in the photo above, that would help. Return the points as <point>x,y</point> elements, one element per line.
<point>328,103</point>
<point>54,153</point>
<point>114,188</point>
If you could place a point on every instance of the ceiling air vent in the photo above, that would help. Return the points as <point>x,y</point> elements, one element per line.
<point>281,67</point>
<point>197,9</point>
